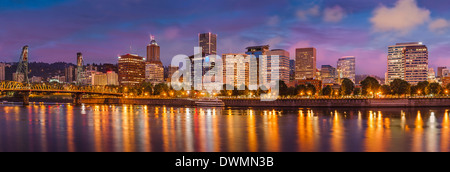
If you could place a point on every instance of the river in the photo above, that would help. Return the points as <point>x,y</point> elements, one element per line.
<point>142,128</point>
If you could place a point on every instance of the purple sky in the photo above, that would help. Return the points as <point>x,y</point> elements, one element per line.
<point>56,30</point>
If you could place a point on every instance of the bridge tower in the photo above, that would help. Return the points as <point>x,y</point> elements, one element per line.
<point>80,66</point>
<point>21,74</point>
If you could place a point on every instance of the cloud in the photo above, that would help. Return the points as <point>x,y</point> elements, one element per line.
<point>171,33</point>
<point>403,17</point>
<point>304,14</point>
<point>333,14</point>
<point>274,20</point>
<point>439,25</point>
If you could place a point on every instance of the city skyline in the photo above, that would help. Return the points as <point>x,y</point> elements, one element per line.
<point>336,28</point>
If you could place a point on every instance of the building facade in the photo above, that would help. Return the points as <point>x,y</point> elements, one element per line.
<point>328,74</point>
<point>208,43</point>
<point>2,71</point>
<point>346,68</point>
<point>131,70</point>
<point>282,67</point>
<point>235,70</point>
<point>305,63</point>
<point>407,61</point>
<point>257,52</point>
<point>153,50</point>
<point>69,72</point>
<point>154,72</point>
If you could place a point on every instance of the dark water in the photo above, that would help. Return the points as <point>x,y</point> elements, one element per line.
<point>136,128</point>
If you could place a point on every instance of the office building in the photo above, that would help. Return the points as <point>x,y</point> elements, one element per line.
<point>439,72</point>
<point>346,68</point>
<point>305,63</point>
<point>328,74</point>
<point>131,69</point>
<point>282,67</point>
<point>407,61</point>
<point>2,71</point>
<point>69,72</point>
<point>291,70</point>
<point>153,50</point>
<point>154,72</point>
<point>208,43</point>
<point>255,70</point>
<point>235,69</point>
<point>112,78</point>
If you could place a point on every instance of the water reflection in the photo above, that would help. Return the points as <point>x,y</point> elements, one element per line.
<point>132,128</point>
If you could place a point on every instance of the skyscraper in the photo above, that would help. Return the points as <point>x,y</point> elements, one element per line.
<point>283,64</point>
<point>407,61</point>
<point>240,74</point>
<point>154,70</point>
<point>346,68</point>
<point>305,63</point>
<point>257,51</point>
<point>2,71</point>
<point>291,70</point>
<point>208,43</point>
<point>153,50</point>
<point>131,69</point>
<point>69,72</point>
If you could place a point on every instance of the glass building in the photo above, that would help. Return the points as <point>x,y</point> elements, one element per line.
<point>407,61</point>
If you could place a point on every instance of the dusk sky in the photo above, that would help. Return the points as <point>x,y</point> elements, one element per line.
<point>56,30</point>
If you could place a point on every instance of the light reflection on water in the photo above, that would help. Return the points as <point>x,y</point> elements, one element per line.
<point>144,128</point>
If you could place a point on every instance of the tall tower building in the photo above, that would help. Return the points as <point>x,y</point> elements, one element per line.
<point>154,70</point>
<point>208,42</point>
<point>2,71</point>
<point>439,72</point>
<point>69,72</point>
<point>305,63</point>
<point>407,61</point>
<point>346,68</point>
<point>257,51</point>
<point>153,50</point>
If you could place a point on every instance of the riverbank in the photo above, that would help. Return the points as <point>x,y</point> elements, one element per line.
<point>233,102</point>
<point>391,102</point>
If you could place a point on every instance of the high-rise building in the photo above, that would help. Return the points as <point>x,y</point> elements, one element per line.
<point>80,68</point>
<point>208,43</point>
<point>346,68</point>
<point>291,70</point>
<point>69,72</point>
<point>407,61</point>
<point>439,71</point>
<point>305,63</point>
<point>328,74</point>
<point>2,71</point>
<point>154,70</point>
<point>131,69</point>
<point>283,64</point>
<point>239,72</point>
<point>257,51</point>
<point>153,50</point>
